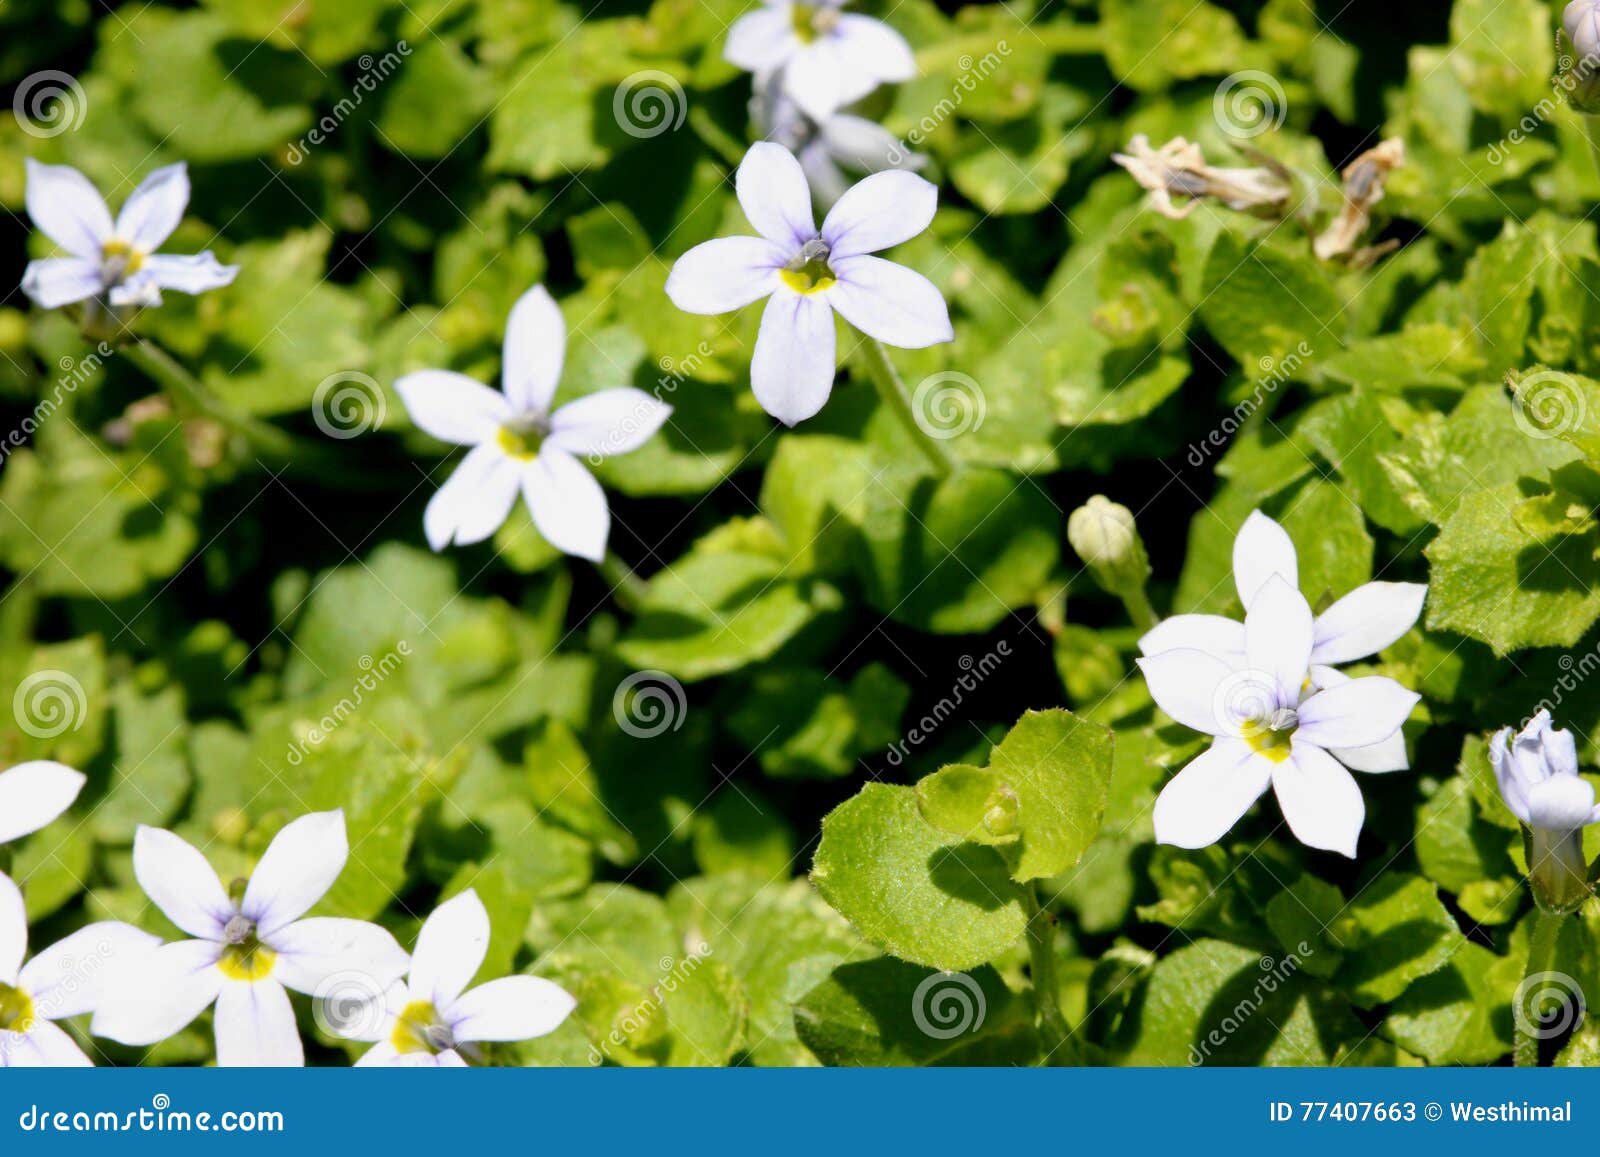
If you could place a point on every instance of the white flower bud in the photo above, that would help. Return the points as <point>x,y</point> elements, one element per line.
<point>1105,537</point>
<point>1538,775</point>
<point>1581,80</point>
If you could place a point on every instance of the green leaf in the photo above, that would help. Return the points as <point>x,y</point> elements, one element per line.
<point>1394,931</point>
<point>926,897</point>
<point>1460,1015</point>
<point>1264,303</point>
<point>887,1012</point>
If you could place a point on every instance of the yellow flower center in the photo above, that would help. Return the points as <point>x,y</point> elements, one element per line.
<point>121,259</point>
<point>1271,736</point>
<point>16,1010</point>
<point>809,271</point>
<point>812,21</point>
<point>522,440</point>
<point>244,957</point>
<point>419,1030</point>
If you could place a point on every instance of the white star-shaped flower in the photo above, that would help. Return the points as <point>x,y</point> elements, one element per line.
<point>34,794</point>
<point>433,1020</point>
<point>117,261</point>
<point>807,274</point>
<point>827,58</point>
<point>518,443</point>
<point>249,946</point>
<point>64,980</point>
<point>1272,727</point>
<point>1359,625</point>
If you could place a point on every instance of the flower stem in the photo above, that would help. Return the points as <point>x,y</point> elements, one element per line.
<point>626,587</point>
<point>1139,607</point>
<point>191,398</point>
<point>894,394</point>
<point>1591,129</point>
<point>1042,970</point>
<point>715,137</point>
<point>1541,954</point>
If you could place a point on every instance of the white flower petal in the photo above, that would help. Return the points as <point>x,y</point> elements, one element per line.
<point>1508,774</point>
<point>1367,620</point>
<point>762,40</point>
<point>67,978</point>
<point>1277,638</point>
<point>726,274</point>
<point>773,193</point>
<point>68,209</point>
<point>185,273</point>
<point>535,347</point>
<point>1213,634</point>
<point>514,1008</point>
<point>1355,714</point>
<point>873,48</point>
<point>1261,550</point>
<point>255,1027</point>
<point>821,78</point>
<point>1561,803</point>
<point>879,211</point>
<point>828,182</point>
<point>181,882</point>
<point>56,281</point>
<point>156,994</point>
<point>1186,685</point>
<point>450,950</point>
<point>608,422</point>
<point>452,407</point>
<point>138,292</point>
<point>890,302</point>
<point>1320,799</point>
<point>791,372</point>
<point>866,146</point>
<point>567,504</point>
<point>1210,793</point>
<point>311,951</point>
<point>1375,758</point>
<point>297,869</point>
<point>154,209</point>
<point>474,500</point>
<point>13,930</point>
<point>34,794</point>
<point>44,1046</point>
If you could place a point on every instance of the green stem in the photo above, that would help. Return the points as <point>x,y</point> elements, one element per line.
<point>1541,955</point>
<point>715,137</point>
<point>626,587</point>
<point>1042,970</point>
<point>192,399</point>
<point>1591,129</point>
<point>894,394</point>
<point>1140,609</point>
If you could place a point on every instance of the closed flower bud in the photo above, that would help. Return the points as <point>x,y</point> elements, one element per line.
<point>1538,775</point>
<point>1105,537</point>
<point>1581,80</point>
